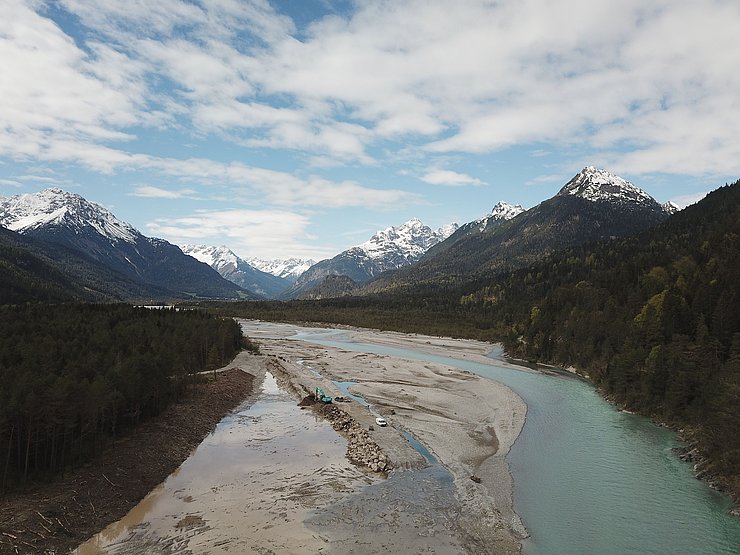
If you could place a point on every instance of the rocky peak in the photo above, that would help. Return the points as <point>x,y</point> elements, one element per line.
<point>670,208</point>
<point>597,185</point>
<point>55,207</point>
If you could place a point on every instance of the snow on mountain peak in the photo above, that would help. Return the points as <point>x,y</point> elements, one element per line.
<point>216,257</point>
<point>446,230</point>
<point>288,268</point>
<point>596,185</point>
<point>411,240</point>
<point>670,207</point>
<point>55,207</point>
<point>505,211</point>
<point>501,212</point>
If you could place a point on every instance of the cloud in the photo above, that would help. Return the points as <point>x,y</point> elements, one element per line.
<point>39,178</point>
<point>450,178</point>
<point>148,191</point>
<point>259,233</point>
<point>282,188</point>
<point>10,183</point>
<point>644,85</point>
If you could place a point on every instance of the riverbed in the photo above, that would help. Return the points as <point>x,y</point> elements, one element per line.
<point>248,488</point>
<point>585,478</point>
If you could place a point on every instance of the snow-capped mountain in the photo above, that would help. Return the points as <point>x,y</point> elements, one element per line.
<point>66,219</point>
<point>55,207</point>
<point>501,212</point>
<point>599,185</point>
<point>594,205</point>
<point>217,258</point>
<point>237,270</point>
<point>670,207</point>
<point>388,249</point>
<point>394,247</point>
<point>287,268</point>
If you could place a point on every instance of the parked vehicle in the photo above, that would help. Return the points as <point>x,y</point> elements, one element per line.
<point>380,421</point>
<point>321,396</point>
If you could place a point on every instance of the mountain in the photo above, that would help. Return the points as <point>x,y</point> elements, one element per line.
<point>670,208</point>
<point>501,212</point>
<point>35,271</point>
<point>594,205</point>
<point>332,287</point>
<point>69,221</point>
<point>388,249</point>
<point>26,275</point>
<point>288,268</point>
<point>237,270</point>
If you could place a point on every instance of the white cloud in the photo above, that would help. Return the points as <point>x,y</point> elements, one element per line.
<point>646,85</point>
<point>450,178</point>
<point>149,191</point>
<point>260,233</point>
<point>10,183</point>
<point>282,188</point>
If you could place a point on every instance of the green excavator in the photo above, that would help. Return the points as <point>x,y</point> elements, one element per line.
<point>321,396</point>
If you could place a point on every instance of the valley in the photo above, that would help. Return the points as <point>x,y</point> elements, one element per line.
<point>600,279</point>
<point>310,498</point>
<point>501,237</point>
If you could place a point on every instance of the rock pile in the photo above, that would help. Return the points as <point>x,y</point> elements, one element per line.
<point>361,448</point>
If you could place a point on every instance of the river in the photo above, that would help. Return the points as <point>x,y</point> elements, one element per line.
<point>588,478</point>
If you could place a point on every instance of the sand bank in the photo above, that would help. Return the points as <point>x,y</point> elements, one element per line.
<point>469,423</point>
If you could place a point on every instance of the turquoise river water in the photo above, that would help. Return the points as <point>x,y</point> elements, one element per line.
<point>589,479</point>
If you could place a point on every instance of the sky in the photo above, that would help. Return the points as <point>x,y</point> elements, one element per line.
<point>300,127</point>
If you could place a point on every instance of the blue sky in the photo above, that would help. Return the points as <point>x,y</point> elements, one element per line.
<point>299,128</point>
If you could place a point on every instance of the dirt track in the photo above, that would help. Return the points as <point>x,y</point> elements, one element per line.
<point>56,517</point>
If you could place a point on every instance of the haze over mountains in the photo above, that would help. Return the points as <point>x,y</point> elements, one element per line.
<point>107,257</point>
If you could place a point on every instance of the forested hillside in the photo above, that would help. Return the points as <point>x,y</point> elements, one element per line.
<point>75,376</point>
<point>653,319</point>
<point>35,271</point>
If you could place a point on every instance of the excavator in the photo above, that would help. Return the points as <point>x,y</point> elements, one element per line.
<point>321,396</point>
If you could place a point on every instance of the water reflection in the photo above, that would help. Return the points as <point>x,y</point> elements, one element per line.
<point>247,487</point>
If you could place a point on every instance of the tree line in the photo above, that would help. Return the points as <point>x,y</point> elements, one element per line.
<point>75,376</point>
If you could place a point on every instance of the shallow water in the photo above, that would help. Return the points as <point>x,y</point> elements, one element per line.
<point>246,489</point>
<point>588,478</point>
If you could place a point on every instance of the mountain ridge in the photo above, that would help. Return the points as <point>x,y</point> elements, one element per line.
<point>227,263</point>
<point>57,217</point>
<point>388,249</point>
<point>593,205</point>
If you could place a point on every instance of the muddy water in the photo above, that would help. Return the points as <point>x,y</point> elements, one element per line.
<point>246,489</point>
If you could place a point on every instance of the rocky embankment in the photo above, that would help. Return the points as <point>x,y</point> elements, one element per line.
<point>704,470</point>
<point>361,448</point>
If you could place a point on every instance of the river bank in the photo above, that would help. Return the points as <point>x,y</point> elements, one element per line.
<point>58,516</point>
<point>467,422</point>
